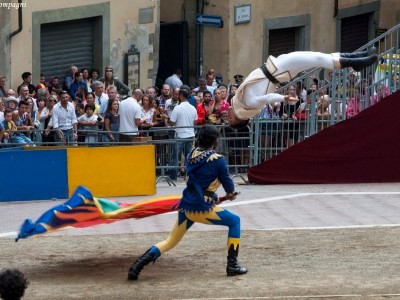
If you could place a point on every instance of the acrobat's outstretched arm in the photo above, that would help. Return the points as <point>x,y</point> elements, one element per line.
<point>273,97</point>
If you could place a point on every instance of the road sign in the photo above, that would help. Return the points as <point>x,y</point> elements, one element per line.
<point>209,20</point>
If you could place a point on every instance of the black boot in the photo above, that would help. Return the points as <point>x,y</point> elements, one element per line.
<point>139,264</point>
<point>233,268</point>
<point>360,53</point>
<point>358,63</point>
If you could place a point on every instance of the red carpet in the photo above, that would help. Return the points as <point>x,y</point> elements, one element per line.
<point>362,149</point>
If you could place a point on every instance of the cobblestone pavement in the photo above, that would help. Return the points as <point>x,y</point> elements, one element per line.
<point>298,242</point>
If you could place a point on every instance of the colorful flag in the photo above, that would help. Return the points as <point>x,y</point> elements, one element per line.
<point>84,210</point>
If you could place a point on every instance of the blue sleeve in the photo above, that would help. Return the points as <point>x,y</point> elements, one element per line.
<point>73,89</point>
<point>223,176</point>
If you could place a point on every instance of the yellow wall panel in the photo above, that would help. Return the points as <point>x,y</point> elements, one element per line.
<point>113,171</point>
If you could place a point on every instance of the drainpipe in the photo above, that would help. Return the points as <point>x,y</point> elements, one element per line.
<point>19,21</point>
<point>336,8</point>
<point>199,41</point>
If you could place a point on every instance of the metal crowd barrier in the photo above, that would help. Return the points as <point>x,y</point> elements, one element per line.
<point>36,138</point>
<point>234,145</point>
<point>345,94</point>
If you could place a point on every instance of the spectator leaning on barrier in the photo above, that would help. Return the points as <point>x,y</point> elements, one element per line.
<point>184,118</point>
<point>111,121</point>
<point>129,114</point>
<point>111,96</point>
<point>47,138</point>
<point>64,119</point>
<point>9,126</point>
<point>20,119</point>
<point>89,123</point>
<point>170,104</point>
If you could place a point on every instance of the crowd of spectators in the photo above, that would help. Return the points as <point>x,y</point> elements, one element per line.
<point>87,108</point>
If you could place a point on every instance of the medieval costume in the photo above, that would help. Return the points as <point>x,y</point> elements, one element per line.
<point>206,171</point>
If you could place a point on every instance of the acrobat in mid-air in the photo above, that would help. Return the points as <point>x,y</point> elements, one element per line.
<point>258,88</point>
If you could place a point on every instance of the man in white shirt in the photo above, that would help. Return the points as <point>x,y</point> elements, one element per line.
<point>64,119</point>
<point>184,118</point>
<point>130,117</point>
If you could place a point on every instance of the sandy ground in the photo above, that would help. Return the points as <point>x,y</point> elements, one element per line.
<point>286,264</point>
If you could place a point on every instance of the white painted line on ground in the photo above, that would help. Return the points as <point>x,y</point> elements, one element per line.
<point>299,297</point>
<point>275,198</point>
<point>8,234</point>
<point>330,227</point>
<point>236,203</point>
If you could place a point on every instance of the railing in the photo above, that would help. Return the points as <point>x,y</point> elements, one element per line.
<point>233,144</point>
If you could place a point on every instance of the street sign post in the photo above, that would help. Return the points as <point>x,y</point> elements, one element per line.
<point>209,20</point>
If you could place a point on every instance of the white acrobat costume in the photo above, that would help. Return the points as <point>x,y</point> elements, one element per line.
<point>258,88</point>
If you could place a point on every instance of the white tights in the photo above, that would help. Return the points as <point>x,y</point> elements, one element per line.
<point>294,63</point>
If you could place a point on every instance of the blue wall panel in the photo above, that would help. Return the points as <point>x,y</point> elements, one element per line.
<point>33,175</point>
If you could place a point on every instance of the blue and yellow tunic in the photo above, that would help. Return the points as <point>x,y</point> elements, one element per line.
<point>206,171</point>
